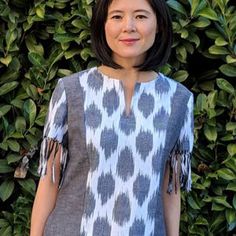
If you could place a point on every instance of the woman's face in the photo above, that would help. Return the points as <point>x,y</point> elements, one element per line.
<point>130,29</point>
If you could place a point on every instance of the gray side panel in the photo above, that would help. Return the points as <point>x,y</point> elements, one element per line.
<point>66,217</point>
<point>176,120</point>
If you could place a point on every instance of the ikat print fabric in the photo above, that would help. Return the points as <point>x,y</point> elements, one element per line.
<point>127,153</point>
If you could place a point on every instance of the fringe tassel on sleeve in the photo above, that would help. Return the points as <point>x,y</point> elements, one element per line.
<point>180,167</point>
<point>48,147</point>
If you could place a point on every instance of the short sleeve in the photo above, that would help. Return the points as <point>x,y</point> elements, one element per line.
<point>180,156</point>
<point>55,133</point>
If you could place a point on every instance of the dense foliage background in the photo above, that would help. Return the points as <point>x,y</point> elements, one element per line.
<point>43,40</point>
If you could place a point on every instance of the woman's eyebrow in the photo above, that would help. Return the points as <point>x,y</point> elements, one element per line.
<point>136,11</point>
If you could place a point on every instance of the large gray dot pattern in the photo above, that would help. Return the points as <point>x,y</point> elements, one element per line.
<point>137,228</point>
<point>162,87</point>
<point>94,156</point>
<point>141,188</point>
<point>101,227</point>
<point>93,116</point>
<point>60,118</point>
<point>105,187</point>
<point>144,143</point>
<point>127,123</point>
<point>125,165</point>
<point>97,83</point>
<point>109,141</point>
<point>156,162</point>
<point>160,120</point>
<point>111,101</point>
<point>121,211</point>
<point>146,104</point>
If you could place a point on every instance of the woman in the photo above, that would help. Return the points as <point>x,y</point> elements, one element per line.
<point>118,137</point>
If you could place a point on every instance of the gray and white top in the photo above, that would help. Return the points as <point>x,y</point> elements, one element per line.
<point>127,153</point>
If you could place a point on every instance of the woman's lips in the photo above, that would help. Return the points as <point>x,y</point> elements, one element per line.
<point>129,41</point>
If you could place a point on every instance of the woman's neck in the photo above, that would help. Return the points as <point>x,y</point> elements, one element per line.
<point>129,75</point>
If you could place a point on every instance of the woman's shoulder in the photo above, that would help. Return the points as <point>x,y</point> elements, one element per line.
<point>78,75</point>
<point>179,88</point>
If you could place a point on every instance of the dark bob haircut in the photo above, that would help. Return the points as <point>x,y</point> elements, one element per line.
<point>156,56</point>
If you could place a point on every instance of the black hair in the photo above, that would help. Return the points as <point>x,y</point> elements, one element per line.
<point>156,56</point>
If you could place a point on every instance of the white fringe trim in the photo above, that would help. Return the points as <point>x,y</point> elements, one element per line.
<point>182,159</point>
<point>49,146</point>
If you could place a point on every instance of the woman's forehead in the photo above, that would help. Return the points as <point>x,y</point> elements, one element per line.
<point>130,4</point>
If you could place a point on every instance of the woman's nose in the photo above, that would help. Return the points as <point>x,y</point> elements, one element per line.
<point>129,24</point>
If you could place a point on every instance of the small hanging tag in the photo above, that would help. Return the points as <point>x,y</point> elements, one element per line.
<point>22,169</point>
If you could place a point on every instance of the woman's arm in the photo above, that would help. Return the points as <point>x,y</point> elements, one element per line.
<point>171,206</point>
<point>45,197</point>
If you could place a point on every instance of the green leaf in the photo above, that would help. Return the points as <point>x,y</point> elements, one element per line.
<point>230,215</point>
<point>216,50</point>
<point>180,75</point>
<point>13,145</point>
<point>226,174</point>
<point>212,33</point>
<point>194,38</point>
<point>7,87</point>
<point>231,187</point>
<point>4,110</point>
<point>33,46</point>
<point>20,124</point>
<point>208,13</point>
<point>40,11</point>
<point>201,103</point>
<point>228,70</point>
<point>230,59</point>
<point>210,133</point>
<point>4,167</point>
<point>217,207</point>
<point>6,231</point>
<point>220,41</point>
<point>221,200</point>
<point>78,23</point>
<point>177,7</point>
<point>64,38</point>
<point>231,148</point>
<point>201,221</point>
<point>225,85</point>
<point>33,141</point>
<point>12,158</point>
<point>17,103</point>
<point>29,110</point>
<point>193,203</point>
<point>32,91</point>
<point>11,36</point>
<point>28,185</point>
<point>194,6</point>
<point>212,98</point>
<point>85,53</point>
<point>36,59</point>
<point>201,23</point>
<point>230,126</point>
<point>71,53</point>
<point>6,189</point>
<point>6,60</point>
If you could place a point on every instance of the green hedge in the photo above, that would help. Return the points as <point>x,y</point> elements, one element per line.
<point>41,41</point>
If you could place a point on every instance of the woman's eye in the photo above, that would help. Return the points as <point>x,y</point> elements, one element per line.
<point>141,17</point>
<point>116,17</point>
